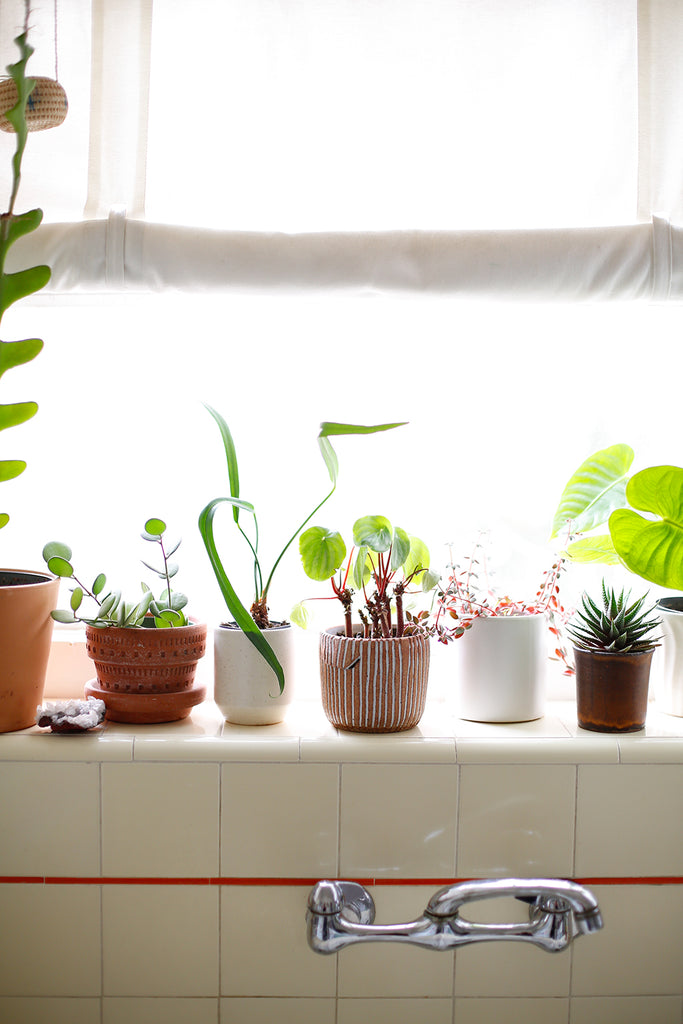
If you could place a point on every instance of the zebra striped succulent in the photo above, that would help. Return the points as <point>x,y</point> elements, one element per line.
<point>618,627</point>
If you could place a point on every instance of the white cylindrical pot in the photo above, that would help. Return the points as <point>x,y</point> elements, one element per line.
<point>245,687</point>
<point>668,679</point>
<point>502,669</point>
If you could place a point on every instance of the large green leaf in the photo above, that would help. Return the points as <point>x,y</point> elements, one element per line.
<point>594,490</point>
<point>15,353</point>
<point>593,549</point>
<point>373,532</point>
<point>231,458</point>
<point>322,552</point>
<point>651,548</point>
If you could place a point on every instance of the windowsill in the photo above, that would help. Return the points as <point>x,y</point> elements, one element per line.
<point>306,736</point>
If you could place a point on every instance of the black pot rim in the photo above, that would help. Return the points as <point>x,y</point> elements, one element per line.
<point>25,577</point>
<point>671,604</point>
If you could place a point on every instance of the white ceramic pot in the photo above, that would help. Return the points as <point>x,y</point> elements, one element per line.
<point>245,687</point>
<point>502,669</point>
<point>668,680</point>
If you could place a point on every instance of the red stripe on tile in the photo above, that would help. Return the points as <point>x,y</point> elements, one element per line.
<point>277,881</point>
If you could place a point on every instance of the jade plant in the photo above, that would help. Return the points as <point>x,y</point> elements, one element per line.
<point>109,608</point>
<point>383,564</point>
<point>21,283</point>
<point>256,617</point>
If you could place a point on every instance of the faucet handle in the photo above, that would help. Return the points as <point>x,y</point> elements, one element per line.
<point>328,897</point>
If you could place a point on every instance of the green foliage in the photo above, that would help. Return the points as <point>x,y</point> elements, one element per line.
<point>616,627</point>
<point>22,283</point>
<point>386,556</point>
<point>252,621</point>
<point>592,492</point>
<point>652,548</point>
<point>110,609</point>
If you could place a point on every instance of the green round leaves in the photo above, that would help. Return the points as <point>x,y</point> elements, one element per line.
<point>652,548</point>
<point>57,556</point>
<point>374,532</point>
<point>154,528</point>
<point>322,552</point>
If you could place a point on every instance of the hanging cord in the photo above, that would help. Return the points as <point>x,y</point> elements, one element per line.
<point>56,56</point>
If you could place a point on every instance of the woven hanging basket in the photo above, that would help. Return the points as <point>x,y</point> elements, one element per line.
<point>46,106</point>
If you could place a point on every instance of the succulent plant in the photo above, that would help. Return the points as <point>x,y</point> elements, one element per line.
<point>618,627</point>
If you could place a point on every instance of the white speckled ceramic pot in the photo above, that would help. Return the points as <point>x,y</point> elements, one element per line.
<point>245,687</point>
<point>668,681</point>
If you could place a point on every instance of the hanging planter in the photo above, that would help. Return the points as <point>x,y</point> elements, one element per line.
<point>373,685</point>
<point>46,106</point>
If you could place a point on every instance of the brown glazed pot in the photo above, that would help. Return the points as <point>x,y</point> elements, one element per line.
<point>611,690</point>
<point>146,675</point>
<point>26,600</point>
<point>373,685</point>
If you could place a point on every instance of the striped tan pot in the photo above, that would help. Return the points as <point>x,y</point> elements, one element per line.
<point>373,685</point>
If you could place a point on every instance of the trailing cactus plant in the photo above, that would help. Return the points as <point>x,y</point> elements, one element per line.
<point>24,282</point>
<point>616,628</point>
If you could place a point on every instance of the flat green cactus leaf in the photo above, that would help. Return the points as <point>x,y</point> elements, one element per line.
<point>18,224</point>
<point>24,282</point>
<point>15,353</point>
<point>9,468</point>
<point>17,412</point>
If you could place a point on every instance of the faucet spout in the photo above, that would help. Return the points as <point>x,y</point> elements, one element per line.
<point>341,913</point>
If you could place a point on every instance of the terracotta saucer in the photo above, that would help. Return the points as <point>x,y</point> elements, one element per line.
<point>146,708</point>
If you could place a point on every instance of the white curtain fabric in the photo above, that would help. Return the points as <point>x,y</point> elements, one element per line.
<point>498,147</point>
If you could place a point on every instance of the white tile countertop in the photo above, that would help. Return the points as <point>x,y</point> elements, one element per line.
<point>306,736</point>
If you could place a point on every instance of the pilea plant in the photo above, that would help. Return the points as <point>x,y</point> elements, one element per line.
<point>386,557</point>
<point>257,618</point>
<point>109,607</point>
<point>24,282</point>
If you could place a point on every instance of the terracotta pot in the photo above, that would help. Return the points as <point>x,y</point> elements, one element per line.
<point>669,679</point>
<point>373,685</point>
<point>245,687</point>
<point>502,669</point>
<point>26,600</point>
<point>611,690</point>
<point>146,675</point>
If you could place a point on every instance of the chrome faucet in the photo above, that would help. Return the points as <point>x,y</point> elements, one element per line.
<point>342,913</point>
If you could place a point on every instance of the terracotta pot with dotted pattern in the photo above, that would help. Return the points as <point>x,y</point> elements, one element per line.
<point>146,675</point>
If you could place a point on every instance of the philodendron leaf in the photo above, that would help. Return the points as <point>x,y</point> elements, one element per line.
<point>373,532</point>
<point>9,468</point>
<point>322,552</point>
<point>593,549</point>
<point>594,491</point>
<point>650,548</point>
<point>17,412</point>
<point>400,548</point>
